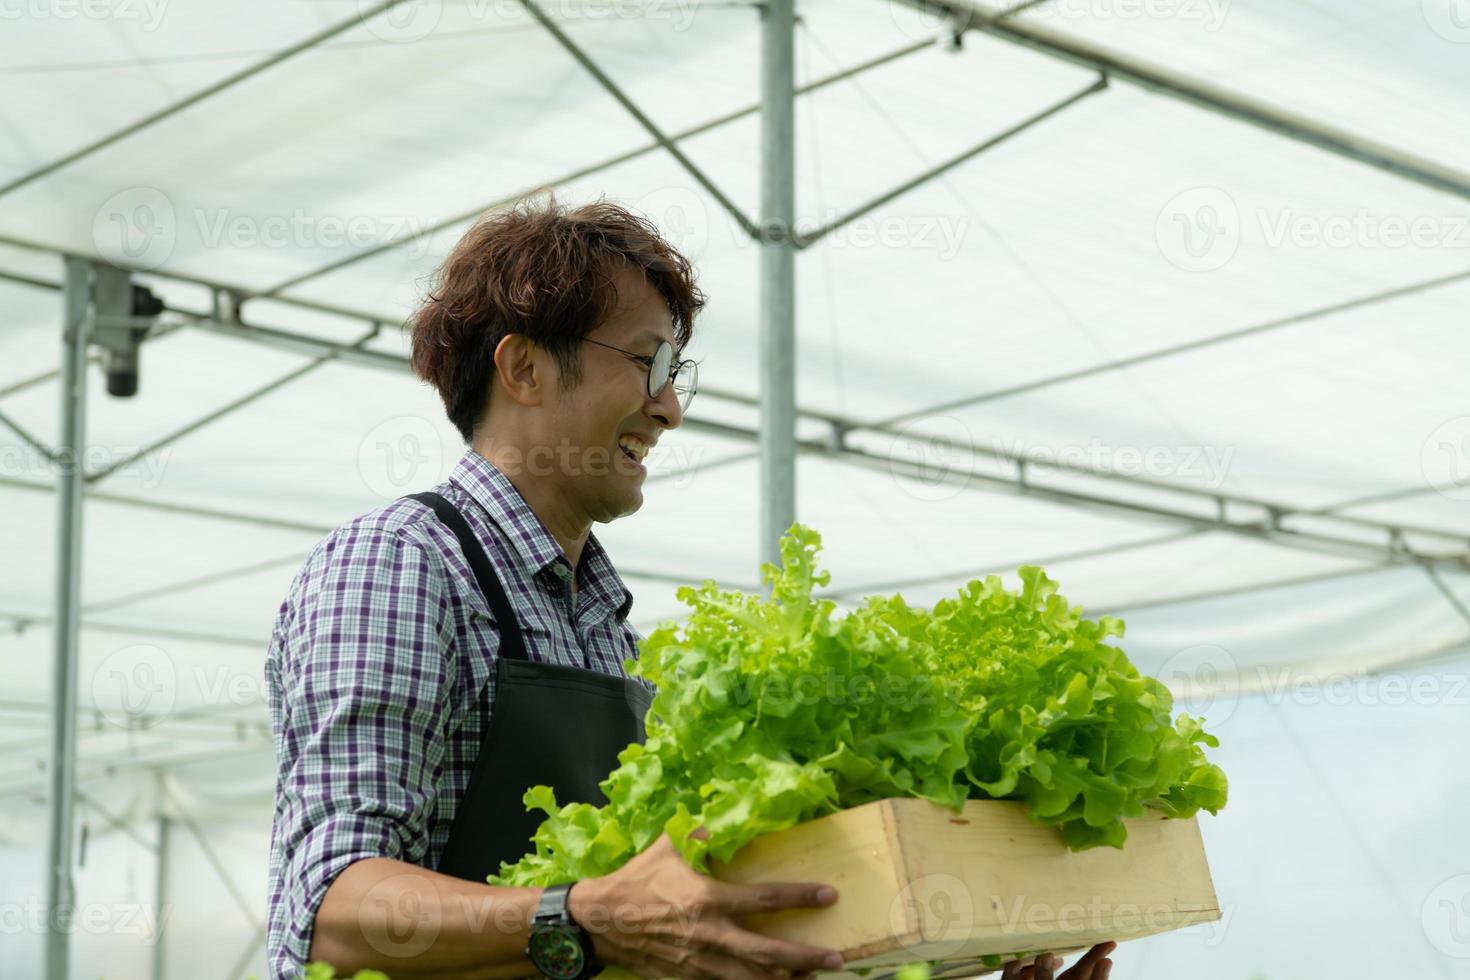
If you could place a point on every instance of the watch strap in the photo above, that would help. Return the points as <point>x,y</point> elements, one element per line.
<point>552,912</point>
<point>553,905</point>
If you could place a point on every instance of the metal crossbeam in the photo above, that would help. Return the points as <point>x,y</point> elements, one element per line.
<point>318,347</point>
<point>113,821</point>
<point>1294,319</point>
<point>970,15</point>
<point>896,585</point>
<point>274,291</point>
<point>1386,496</point>
<point>1449,594</point>
<point>811,238</point>
<point>295,558</point>
<point>253,395</point>
<point>235,291</point>
<point>110,768</point>
<point>26,437</point>
<point>1248,589</point>
<point>229,731</point>
<point>42,377</point>
<point>20,621</point>
<point>642,118</point>
<point>1273,512</point>
<point>239,517</point>
<point>1270,528</point>
<point>587,171</point>
<point>247,908</point>
<point>197,97</point>
<point>191,510</point>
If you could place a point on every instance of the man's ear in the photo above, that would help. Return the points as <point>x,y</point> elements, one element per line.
<point>522,369</point>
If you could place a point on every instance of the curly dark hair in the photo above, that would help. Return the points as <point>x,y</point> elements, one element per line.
<point>545,271</point>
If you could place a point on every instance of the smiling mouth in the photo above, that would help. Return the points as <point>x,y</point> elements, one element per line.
<point>634,448</point>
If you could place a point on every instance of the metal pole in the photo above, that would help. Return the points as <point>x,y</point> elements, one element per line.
<point>70,453</point>
<point>160,891</point>
<point>778,275</point>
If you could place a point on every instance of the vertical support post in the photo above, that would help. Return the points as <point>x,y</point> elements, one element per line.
<point>160,892</point>
<point>778,275</point>
<point>60,895</point>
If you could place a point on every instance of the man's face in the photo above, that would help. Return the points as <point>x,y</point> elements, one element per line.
<point>605,424</point>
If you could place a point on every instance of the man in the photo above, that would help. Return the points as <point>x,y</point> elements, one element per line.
<point>553,338</point>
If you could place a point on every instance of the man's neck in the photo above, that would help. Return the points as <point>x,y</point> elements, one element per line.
<point>545,499</point>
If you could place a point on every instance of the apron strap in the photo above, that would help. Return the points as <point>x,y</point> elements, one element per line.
<point>512,644</point>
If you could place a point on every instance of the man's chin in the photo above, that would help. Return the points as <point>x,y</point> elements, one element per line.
<point>635,504</point>
<point>622,504</point>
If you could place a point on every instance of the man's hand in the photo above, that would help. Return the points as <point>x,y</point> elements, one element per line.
<point>660,918</point>
<point>1094,965</point>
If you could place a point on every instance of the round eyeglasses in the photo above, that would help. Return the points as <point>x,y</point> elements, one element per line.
<point>663,370</point>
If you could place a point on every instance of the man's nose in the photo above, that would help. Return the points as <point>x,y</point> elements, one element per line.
<point>665,408</point>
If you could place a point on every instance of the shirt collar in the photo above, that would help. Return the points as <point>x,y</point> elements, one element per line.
<point>533,543</point>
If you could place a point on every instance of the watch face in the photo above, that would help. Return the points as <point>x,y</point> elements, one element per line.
<point>556,952</point>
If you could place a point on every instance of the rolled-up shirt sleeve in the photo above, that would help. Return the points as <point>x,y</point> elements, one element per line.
<point>358,681</point>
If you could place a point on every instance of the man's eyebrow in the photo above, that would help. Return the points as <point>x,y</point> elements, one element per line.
<point>651,335</point>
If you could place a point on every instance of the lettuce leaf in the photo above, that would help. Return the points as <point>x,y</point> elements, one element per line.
<point>774,710</point>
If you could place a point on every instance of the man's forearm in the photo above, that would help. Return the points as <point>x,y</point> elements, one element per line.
<point>411,922</point>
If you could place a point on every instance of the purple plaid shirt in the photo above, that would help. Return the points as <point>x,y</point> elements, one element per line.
<point>380,677</point>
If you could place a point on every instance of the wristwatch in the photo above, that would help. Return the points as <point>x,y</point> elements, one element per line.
<point>559,948</point>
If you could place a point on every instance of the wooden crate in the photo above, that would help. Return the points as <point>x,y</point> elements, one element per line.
<point>917,881</point>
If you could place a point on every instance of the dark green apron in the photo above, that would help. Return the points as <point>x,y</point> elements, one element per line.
<point>550,725</point>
